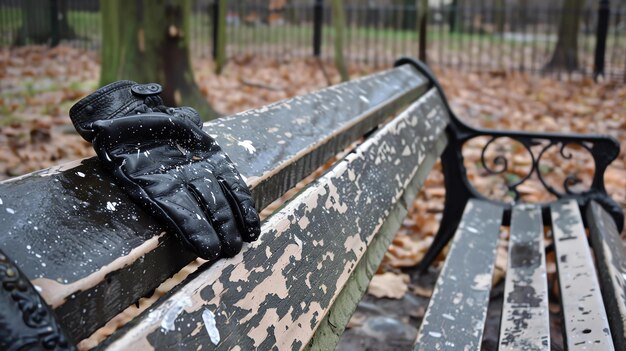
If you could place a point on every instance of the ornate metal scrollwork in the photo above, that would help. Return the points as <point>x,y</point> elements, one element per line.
<point>545,144</point>
<point>603,149</point>
<point>503,163</point>
<point>26,321</point>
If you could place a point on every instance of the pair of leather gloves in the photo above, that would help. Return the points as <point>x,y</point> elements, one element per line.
<point>166,163</point>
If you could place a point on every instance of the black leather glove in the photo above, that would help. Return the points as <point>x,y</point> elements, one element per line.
<point>166,163</point>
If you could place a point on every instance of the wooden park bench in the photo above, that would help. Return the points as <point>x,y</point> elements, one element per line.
<point>90,253</point>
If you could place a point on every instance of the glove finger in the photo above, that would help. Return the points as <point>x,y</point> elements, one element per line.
<point>213,199</point>
<point>183,213</point>
<point>242,201</point>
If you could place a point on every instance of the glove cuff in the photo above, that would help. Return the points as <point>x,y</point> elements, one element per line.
<point>113,100</point>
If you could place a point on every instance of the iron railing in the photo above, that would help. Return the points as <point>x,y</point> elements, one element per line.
<point>496,35</point>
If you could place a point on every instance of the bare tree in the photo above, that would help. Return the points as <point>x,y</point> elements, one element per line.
<point>148,41</point>
<point>565,55</point>
<point>339,23</point>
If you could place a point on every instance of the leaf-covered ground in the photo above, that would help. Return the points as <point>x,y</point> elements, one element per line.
<point>38,85</point>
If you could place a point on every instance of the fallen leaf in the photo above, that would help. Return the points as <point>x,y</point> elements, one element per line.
<point>423,291</point>
<point>388,285</point>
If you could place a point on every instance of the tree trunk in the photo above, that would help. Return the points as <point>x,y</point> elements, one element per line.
<point>148,41</point>
<point>339,23</point>
<point>565,55</point>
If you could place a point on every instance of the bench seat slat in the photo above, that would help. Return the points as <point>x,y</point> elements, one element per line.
<point>525,321</point>
<point>276,292</point>
<point>458,307</point>
<point>611,262</point>
<point>83,243</point>
<point>586,325</point>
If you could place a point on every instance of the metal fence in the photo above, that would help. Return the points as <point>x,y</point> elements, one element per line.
<point>471,35</point>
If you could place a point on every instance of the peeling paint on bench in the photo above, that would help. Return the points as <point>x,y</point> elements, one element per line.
<point>458,307</point>
<point>275,294</point>
<point>525,322</point>
<point>586,324</point>
<point>611,262</point>
<point>85,239</point>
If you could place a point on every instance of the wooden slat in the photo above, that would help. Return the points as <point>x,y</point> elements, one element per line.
<point>85,245</point>
<point>611,263</point>
<point>275,294</point>
<point>457,310</point>
<point>333,325</point>
<point>525,318</point>
<point>586,325</point>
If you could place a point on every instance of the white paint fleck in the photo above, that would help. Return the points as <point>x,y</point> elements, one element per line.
<point>81,174</point>
<point>457,298</point>
<point>209,323</point>
<point>298,241</point>
<point>482,282</point>
<point>406,151</point>
<point>448,316</point>
<point>471,229</point>
<point>169,317</point>
<point>10,210</point>
<point>111,205</point>
<point>434,334</point>
<point>268,252</point>
<point>247,144</point>
<point>1,201</point>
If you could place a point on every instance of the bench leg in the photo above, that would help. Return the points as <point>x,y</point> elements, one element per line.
<point>457,195</point>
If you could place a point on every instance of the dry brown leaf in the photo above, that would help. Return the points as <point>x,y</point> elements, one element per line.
<point>389,285</point>
<point>423,291</point>
<point>406,252</point>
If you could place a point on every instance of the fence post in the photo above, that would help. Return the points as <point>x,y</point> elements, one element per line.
<point>423,28</point>
<point>602,31</point>
<point>219,34</point>
<point>214,23</point>
<point>318,13</point>
<point>54,23</point>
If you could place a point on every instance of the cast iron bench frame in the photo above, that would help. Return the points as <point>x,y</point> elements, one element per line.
<point>109,286</point>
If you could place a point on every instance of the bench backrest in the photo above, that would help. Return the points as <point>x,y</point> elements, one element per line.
<point>91,253</point>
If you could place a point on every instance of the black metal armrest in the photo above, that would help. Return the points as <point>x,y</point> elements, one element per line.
<point>603,149</point>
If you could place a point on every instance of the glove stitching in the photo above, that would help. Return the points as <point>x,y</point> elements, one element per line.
<point>99,98</point>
